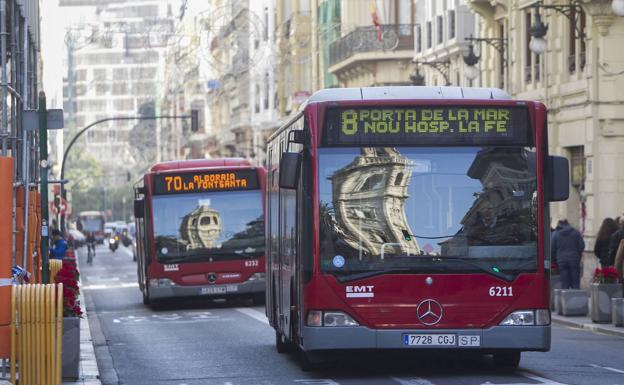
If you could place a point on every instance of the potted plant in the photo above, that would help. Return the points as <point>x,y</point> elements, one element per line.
<point>68,275</point>
<point>604,287</point>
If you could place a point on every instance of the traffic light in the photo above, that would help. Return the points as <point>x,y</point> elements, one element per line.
<point>406,235</point>
<point>194,120</point>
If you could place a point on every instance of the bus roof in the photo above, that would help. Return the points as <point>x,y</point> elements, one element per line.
<point>199,163</point>
<point>406,92</point>
<point>98,213</point>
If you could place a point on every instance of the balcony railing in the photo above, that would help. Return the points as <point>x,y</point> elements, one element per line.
<point>392,37</point>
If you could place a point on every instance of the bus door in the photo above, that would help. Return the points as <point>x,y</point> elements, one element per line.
<point>288,250</point>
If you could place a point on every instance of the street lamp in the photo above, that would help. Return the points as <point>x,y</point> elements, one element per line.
<point>537,32</point>
<point>442,66</point>
<point>570,11</point>
<point>417,79</point>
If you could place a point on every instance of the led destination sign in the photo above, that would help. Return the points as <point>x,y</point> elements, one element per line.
<point>206,181</point>
<point>440,125</point>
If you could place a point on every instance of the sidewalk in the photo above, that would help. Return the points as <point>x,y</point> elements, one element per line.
<point>584,322</point>
<point>89,374</point>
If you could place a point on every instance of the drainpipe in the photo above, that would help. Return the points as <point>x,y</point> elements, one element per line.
<point>25,143</point>
<point>4,131</point>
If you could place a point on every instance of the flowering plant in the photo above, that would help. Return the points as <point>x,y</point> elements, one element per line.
<point>606,275</point>
<point>68,275</point>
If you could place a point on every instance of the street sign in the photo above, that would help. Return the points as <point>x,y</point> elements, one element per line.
<point>30,119</point>
<point>55,119</point>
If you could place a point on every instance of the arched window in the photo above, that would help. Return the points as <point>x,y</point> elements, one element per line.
<point>204,221</point>
<point>399,179</point>
<point>373,182</point>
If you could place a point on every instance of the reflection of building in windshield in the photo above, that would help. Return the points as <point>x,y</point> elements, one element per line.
<point>250,240</point>
<point>369,197</point>
<point>501,213</point>
<point>201,227</point>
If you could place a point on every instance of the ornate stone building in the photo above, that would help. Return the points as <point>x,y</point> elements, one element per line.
<point>369,197</point>
<point>201,227</point>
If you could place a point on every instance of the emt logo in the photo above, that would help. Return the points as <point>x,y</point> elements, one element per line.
<point>364,291</point>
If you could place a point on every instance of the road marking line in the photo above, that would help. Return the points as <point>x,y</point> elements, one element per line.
<point>607,368</point>
<point>106,287</point>
<point>255,314</point>
<point>543,380</point>
<point>412,381</point>
<point>319,381</point>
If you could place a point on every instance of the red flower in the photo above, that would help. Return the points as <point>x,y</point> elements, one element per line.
<point>68,275</point>
<point>607,274</point>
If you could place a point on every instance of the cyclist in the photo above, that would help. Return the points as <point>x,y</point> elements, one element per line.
<point>90,247</point>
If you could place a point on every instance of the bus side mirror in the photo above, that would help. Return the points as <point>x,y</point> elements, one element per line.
<point>559,178</point>
<point>139,208</point>
<point>289,170</point>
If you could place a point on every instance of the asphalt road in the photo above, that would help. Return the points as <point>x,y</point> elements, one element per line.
<point>230,343</point>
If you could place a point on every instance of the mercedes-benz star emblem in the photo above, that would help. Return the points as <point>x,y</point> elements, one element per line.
<point>429,312</point>
<point>212,277</point>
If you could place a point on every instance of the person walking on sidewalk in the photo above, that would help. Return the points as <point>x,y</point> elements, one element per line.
<point>59,246</point>
<point>567,247</point>
<point>603,239</point>
<point>615,240</point>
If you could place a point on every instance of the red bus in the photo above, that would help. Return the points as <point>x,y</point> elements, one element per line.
<point>411,218</point>
<point>200,229</point>
<point>92,222</point>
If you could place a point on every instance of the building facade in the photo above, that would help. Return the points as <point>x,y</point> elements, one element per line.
<point>115,66</point>
<point>376,43</point>
<point>441,29</point>
<point>241,95</point>
<point>577,73</point>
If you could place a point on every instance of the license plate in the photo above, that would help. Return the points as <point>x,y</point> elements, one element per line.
<point>430,340</point>
<point>219,289</point>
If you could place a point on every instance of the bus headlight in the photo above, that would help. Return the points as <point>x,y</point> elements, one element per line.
<point>330,319</point>
<point>338,318</point>
<point>520,318</point>
<point>161,282</point>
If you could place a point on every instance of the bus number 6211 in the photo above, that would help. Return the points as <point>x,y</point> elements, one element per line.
<point>501,291</point>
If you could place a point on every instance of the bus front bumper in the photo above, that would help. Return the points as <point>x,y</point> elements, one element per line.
<point>525,338</point>
<point>252,286</point>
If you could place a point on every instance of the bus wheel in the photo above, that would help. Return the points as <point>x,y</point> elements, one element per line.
<point>257,298</point>
<point>309,360</point>
<point>507,359</point>
<point>281,344</point>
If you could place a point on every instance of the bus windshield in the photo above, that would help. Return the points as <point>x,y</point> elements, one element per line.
<point>92,224</point>
<point>208,226</point>
<point>427,209</point>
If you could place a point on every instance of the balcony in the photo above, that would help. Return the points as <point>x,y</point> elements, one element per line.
<point>367,40</point>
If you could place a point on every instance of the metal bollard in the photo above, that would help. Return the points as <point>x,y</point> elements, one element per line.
<point>55,266</point>
<point>36,334</point>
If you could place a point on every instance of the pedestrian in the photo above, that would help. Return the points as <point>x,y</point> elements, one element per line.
<point>619,260</point>
<point>615,240</point>
<point>59,246</point>
<point>603,239</point>
<point>567,247</point>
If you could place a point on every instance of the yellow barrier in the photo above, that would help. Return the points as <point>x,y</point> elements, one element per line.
<point>55,266</point>
<point>36,334</point>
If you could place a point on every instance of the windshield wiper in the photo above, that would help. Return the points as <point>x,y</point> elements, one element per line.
<point>427,268</point>
<point>492,271</point>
